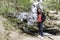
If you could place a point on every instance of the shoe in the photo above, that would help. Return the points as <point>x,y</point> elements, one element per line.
<point>42,38</point>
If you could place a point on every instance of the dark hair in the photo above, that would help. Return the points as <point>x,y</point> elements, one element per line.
<point>38,11</point>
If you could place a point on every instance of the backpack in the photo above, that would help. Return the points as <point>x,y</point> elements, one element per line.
<point>43,17</point>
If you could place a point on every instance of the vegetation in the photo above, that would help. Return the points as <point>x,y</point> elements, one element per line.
<point>52,5</point>
<point>8,6</point>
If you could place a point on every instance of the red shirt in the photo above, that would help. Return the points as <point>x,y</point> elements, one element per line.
<point>39,18</point>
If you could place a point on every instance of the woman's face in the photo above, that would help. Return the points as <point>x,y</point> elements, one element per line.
<point>39,10</point>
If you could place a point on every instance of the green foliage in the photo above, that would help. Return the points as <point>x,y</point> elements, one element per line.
<point>8,6</point>
<point>52,5</point>
<point>5,10</point>
<point>24,4</point>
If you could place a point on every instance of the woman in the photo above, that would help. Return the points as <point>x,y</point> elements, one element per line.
<point>40,22</point>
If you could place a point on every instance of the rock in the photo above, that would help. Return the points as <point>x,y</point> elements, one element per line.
<point>52,11</point>
<point>55,37</point>
<point>53,31</point>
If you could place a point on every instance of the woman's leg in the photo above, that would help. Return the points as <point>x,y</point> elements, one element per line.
<point>40,29</point>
